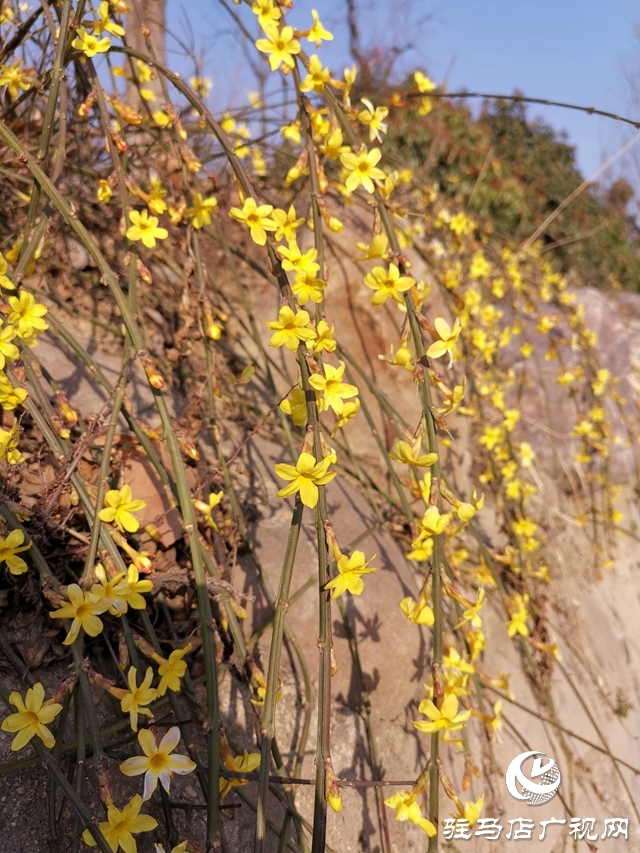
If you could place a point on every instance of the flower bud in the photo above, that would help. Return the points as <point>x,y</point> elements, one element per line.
<point>70,415</point>
<point>331,789</point>
<point>124,661</point>
<point>85,108</point>
<point>63,431</point>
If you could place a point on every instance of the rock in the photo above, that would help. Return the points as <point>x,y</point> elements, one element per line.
<point>79,258</point>
<point>393,681</point>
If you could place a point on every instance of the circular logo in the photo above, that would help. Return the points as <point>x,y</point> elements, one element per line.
<point>544,781</point>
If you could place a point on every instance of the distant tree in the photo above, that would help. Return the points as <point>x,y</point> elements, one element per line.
<point>514,171</point>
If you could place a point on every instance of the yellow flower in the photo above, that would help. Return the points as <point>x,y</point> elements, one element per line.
<point>104,192</point>
<point>280,45</point>
<point>317,34</point>
<point>453,399</point>
<point>180,848</point>
<point>9,547</point>
<point>417,612</point>
<point>423,82</point>
<point>526,454</point>
<point>84,609</point>
<point>259,162</point>
<point>454,660</point>
<point>447,339</point>
<point>295,261</point>
<point>144,227</point>
<point>201,85</point>
<point>387,284</point>
<point>350,75</point>
<point>245,763</point>
<point>401,358</point>
<point>349,411</point>
<point>422,548</point>
<point>176,213</point>
<point>524,527</point>
<point>156,199</point>
<point>479,267</point>
<point>172,670</point>
<point>202,210</point>
<point>432,523</point>
<point>289,329</point>
<point>324,339</point>
<point>119,827</point>
<point>291,132</point>
<point>162,120</point>
<point>362,169</point>
<point>10,397</point>
<point>118,507</point>
<point>407,808</point>
<point>157,761</point>
<point>374,118</point>
<point>306,287</point>
<point>5,281</point>
<point>496,723</point>
<point>518,623</point>
<point>287,224</point>
<point>133,597</point>
<point>466,511</point>
<point>26,314</point>
<point>460,224</point>
<point>145,71</point>
<point>256,218</point>
<point>105,23</point>
<point>377,248</point>
<point>316,78</point>
<point>207,508</point>
<point>14,78</point>
<point>132,700</point>
<point>333,145</point>
<point>89,44</point>
<point>119,591</point>
<point>7,349</point>
<point>446,717</point>
<point>9,440</point>
<point>472,614</point>
<point>295,406</point>
<point>334,390</point>
<point>472,811</point>
<point>511,418</point>
<point>267,12</point>
<point>111,590</point>
<point>32,718</point>
<point>410,454</point>
<point>306,477</point>
<point>350,571</point>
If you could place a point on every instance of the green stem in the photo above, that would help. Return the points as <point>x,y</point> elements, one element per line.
<point>267,729</point>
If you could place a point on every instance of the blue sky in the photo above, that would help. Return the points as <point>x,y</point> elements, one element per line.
<point>580,51</point>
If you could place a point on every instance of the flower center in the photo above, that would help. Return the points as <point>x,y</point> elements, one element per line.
<point>158,762</point>
<point>31,718</point>
<point>83,612</point>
